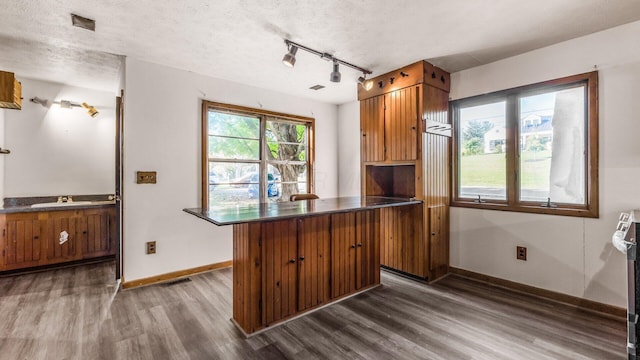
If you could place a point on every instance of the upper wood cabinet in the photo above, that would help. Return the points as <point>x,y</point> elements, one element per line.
<point>390,126</point>
<point>10,91</point>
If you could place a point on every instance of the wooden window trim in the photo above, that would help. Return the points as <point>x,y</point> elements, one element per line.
<point>204,156</point>
<point>591,207</point>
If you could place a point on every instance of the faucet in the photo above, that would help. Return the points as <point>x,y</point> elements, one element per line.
<point>69,198</point>
<point>59,199</point>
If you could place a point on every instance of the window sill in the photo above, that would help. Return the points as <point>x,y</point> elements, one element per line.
<point>560,210</point>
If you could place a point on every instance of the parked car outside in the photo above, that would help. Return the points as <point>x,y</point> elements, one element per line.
<point>254,189</point>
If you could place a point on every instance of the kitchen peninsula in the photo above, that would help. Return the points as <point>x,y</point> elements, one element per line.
<point>292,257</point>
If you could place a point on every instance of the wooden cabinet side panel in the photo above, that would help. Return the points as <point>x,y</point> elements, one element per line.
<point>372,129</point>
<point>314,255</point>
<point>247,277</point>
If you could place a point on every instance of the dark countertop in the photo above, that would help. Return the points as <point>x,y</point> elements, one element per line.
<point>294,209</point>
<point>28,208</point>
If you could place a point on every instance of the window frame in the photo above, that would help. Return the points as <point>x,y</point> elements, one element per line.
<point>513,203</point>
<point>263,162</point>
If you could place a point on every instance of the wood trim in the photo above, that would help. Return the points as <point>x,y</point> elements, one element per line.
<point>174,275</point>
<point>204,157</point>
<point>237,108</point>
<point>585,304</point>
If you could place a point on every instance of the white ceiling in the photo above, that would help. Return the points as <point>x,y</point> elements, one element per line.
<point>242,40</point>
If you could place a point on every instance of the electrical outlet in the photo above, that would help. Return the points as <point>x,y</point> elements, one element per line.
<point>521,253</point>
<point>151,247</point>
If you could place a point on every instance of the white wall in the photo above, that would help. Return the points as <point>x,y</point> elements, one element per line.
<point>568,255</point>
<point>349,144</point>
<point>57,151</point>
<point>162,125</point>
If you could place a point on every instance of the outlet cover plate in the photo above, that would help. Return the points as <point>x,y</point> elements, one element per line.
<point>521,253</point>
<point>151,247</point>
<point>145,177</point>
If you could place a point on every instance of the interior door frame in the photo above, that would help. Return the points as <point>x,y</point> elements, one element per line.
<point>118,182</point>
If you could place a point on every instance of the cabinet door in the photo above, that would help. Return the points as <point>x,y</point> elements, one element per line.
<point>279,246</point>
<point>95,233</point>
<point>343,254</point>
<point>401,124</point>
<point>367,248</point>
<point>403,246</point>
<point>23,240</point>
<point>372,129</point>
<point>61,247</point>
<point>314,261</point>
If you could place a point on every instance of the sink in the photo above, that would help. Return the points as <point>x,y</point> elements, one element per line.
<point>61,204</point>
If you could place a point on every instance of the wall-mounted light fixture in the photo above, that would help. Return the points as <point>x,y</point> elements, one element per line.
<point>289,60</point>
<point>66,104</point>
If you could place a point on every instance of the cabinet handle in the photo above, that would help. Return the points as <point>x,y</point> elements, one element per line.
<point>292,261</point>
<point>353,246</point>
<point>301,258</point>
<point>360,245</point>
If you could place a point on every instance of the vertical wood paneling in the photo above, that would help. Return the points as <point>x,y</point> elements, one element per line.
<point>343,244</point>
<point>372,129</point>
<point>401,124</point>
<point>22,240</point>
<point>437,184</point>
<point>279,244</point>
<point>314,261</point>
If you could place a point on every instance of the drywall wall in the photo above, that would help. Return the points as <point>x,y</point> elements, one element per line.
<point>57,151</point>
<point>162,124</point>
<point>349,142</point>
<point>568,255</point>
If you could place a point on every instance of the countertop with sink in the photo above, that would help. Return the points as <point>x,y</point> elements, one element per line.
<point>48,203</point>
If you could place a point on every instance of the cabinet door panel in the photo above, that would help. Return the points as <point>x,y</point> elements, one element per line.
<point>96,234</point>
<point>367,248</point>
<point>279,244</point>
<point>23,241</point>
<point>372,129</point>
<point>401,124</point>
<point>314,256</point>
<point>57,249</point>
<point>343,257</point>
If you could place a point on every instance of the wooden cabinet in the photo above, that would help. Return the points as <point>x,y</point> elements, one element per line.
<point>49,237</point>
<point>10,91</point>
<point>389,126</point>
<point>405,152</point>
<point>284,267</point>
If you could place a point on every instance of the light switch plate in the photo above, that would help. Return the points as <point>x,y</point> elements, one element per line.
<point>145,177</point>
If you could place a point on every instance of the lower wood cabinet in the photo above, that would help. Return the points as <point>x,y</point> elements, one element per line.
<point>285,267</point>
<point>403,246</point>
<point>50,237</point>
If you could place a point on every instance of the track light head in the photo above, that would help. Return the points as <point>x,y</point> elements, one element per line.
<point>335,74</point>
<point>289,58</point>
<point>366,84</point>
<point>42,102</point>
<point>91,111</point>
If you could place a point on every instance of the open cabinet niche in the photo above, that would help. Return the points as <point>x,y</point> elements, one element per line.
<point>391,181</point>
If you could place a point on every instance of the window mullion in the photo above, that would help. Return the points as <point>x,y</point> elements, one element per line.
<point>263,159</point>
<point>511,133</point>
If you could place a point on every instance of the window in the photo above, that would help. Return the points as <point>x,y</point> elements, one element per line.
<point>252,156</point>
<point>530,149</point>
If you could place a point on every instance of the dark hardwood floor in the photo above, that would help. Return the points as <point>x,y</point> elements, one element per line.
<point>75,313</point>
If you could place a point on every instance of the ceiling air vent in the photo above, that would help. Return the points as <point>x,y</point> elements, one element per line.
<point>83,22</point>
<point>316,87</point>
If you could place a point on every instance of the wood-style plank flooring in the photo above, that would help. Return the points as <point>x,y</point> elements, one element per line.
<point>75,313</point>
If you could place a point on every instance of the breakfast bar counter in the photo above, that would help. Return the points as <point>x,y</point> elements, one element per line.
<point>293,257</point>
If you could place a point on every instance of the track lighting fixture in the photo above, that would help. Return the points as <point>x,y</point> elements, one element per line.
<point>366,84</point>
<point>335,74</point>
<point>67,104</point>
<point>289,59</point>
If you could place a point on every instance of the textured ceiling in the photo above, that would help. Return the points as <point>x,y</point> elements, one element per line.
<point>241,40</point>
